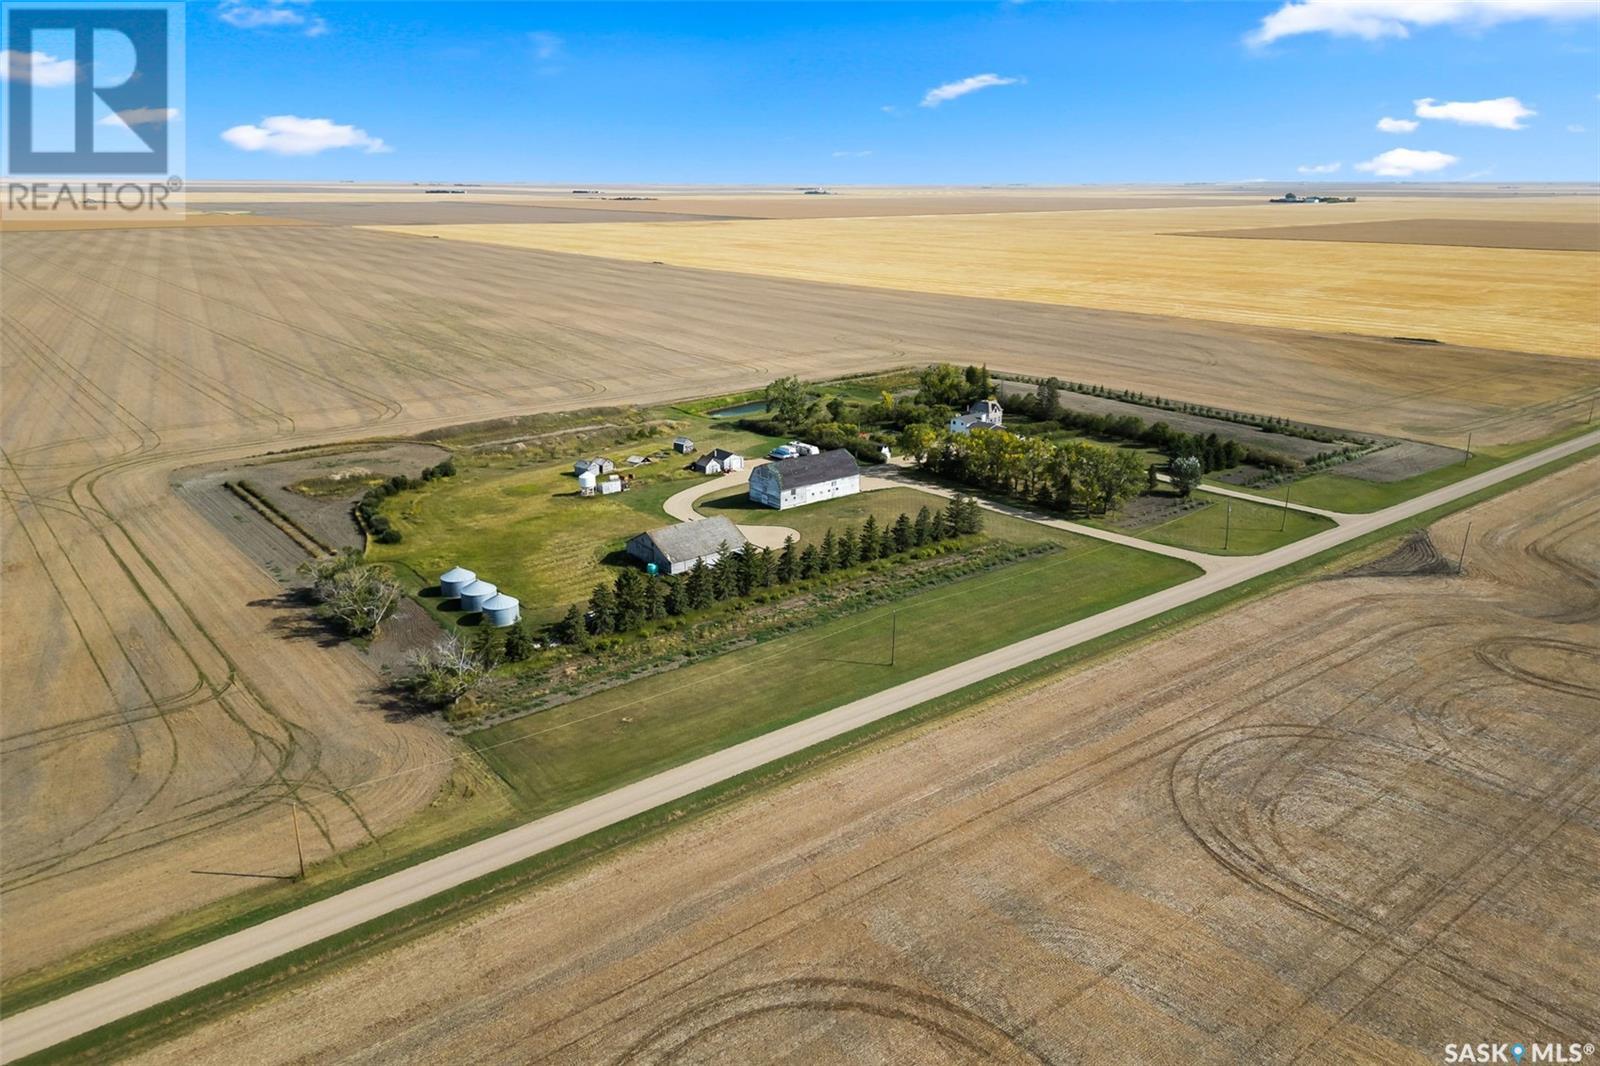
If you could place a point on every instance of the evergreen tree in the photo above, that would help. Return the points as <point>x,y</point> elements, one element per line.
<point>848,551</point>
<point>677,595</point>
<point>828,551</point>
<point>655,599</point>
<point>571,630</point>
<point>701,592</point>
<point>724,578</point>
<point>767,568</point>
<point>519,643</point>
<point>869,539</point>
<point>921,529</point>
<point>950,517</point>
<point>885,543</point>
<point>902,533</point>
<point>787,564</point>
<point>808,562</point>
<point>747,571</point>
<point>630,608</point>
<point>486,646</point>
<point>602,611</point>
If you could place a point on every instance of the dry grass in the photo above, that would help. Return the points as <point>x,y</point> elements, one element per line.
<point>1348,823</point>
<point>1134,260</point>
<point>160,702</point>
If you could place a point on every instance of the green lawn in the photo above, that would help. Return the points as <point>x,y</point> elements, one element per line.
<point>525,528</point>
<point>885,505</point>
<point>558,757</point>
<point>1251,528</point>
<point>1332,491</point>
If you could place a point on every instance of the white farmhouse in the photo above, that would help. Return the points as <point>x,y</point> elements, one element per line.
<point>981,414</point>
<point>806,479</point>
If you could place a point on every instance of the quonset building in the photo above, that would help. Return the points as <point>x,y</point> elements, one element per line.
<point>808,479</point>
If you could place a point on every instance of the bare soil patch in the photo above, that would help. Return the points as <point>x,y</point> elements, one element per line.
<point>1400,461</point>
<point>1449,232</point>
<point>1344,823</point>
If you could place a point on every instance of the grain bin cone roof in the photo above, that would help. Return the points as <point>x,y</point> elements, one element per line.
<point>479,588</point>
<point>458,575</point>
<point>499,602</point>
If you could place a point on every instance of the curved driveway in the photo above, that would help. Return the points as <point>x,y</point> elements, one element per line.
<point>77,1013</point>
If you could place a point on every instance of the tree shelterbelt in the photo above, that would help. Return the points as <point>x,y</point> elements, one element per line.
<point>635,598</point>
<point>1066,475</point>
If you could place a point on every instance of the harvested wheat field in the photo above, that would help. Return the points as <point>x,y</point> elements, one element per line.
<point>1145,261</point>
<point>1450,232</point>
<point>159,708</point>
<point>1352,821</point>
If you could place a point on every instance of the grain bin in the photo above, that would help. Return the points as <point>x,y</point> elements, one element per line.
<point>500,610</point>
<point>474,595</point>
<point>452,581</point>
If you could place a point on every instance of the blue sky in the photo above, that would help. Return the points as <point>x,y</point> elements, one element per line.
<point>834,93</point>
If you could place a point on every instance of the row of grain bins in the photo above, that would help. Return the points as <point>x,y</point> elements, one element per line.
<point>475,595</point>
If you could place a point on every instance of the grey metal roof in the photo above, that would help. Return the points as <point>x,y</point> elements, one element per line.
<point>810,469</point>
<point>720,454</point>
<point>691,540</point>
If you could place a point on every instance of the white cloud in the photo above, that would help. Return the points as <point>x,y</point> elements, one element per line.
<point>39,68</point>
<point>271,14</point>
<point>1503,113</point>
<point>1372,20</point>
<point>852,155</point>
<point>1404,162</point>
<point>1397,125</point>
<point>1575,128</point>
<point>545,45</point>
<point>293,135</point>
<point>141,116</point>
<point>950,90</point>
<point>1319,168</point>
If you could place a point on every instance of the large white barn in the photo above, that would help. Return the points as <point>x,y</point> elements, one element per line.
<point>808,479</point>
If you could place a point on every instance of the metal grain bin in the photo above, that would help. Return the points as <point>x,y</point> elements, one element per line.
<point>475,594</point>
<point>500,610</point>
<point>452,581</point>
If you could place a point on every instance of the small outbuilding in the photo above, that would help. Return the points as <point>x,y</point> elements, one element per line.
<point>682,445</point>
<point>453,580</point>
<point>718,461</point>
<point>675,549</point>
<point>475,595</point>
<point>501,610</point>
<point>598,465</point>
<point>806,479</point>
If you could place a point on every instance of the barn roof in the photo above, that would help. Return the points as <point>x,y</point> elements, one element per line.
<point>691,540</point>
<point>811,469</point>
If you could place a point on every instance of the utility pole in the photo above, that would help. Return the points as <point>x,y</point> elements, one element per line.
<point>1591,412</point>
<point>294,813</point>
<point>1227,528</point>
<point>1460,560</point>
<point>1283,522</point>
<point>1469,446</point>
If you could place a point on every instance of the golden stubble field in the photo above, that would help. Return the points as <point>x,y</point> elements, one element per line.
<point>1141,260</point>
<point>1350,822</point>
<point>156,713</point>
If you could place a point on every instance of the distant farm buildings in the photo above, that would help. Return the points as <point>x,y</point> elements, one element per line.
<point>806,479</point>
<point>718,461</point>
<point>676,549</point>
<point>682,445</point>
<point>597,465</point>
<point>980,414</point>
<point>1291,198</point>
